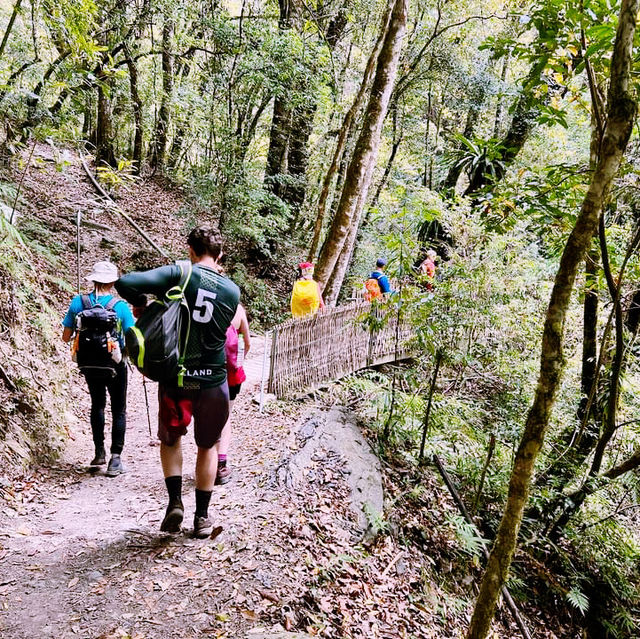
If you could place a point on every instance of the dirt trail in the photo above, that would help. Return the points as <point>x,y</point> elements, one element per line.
<point>85,557</point>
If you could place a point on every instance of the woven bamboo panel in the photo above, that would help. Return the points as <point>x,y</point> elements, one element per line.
<point>330,345</point>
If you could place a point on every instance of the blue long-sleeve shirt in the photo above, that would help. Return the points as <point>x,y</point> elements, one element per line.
<point>383,281</point>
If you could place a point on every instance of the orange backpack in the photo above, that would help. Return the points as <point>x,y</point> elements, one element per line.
<point>372,290</point>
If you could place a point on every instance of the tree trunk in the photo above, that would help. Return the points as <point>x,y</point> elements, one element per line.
<point>621,114</point>
<point>478,97</point>
<point>609,422</point>
<point>345,133</point>
<point>7,31</point>
<point>281,122</point>
<point>157,159</point>
<point>137,112</point>
<point>298,157</point>
<point>278,146</point>
<point>497,123</point>
<point>288,155</point>
<point>360,171</point>
<point>104,130</point>
<point>524,118</point>
<point>334,285</point>
<point>580,443</point>
<point>590,322</point>
<point>87,119</point>
<point>249,131</point>
<point>590,312</point>
<point>183,71</point>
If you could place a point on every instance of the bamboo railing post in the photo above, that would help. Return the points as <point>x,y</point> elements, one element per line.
<point>274,356</point>
<point>264,369</point>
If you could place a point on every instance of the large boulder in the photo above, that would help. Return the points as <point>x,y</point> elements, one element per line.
<point>337,431</point>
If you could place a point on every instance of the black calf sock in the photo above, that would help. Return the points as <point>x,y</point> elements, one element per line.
<point>174,488</point>
<point>203,497</point>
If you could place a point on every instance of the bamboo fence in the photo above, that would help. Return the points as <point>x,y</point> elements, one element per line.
<point>332,344</point>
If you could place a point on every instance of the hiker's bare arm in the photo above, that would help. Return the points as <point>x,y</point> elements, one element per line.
<point>67,333</point>
<point>244,329</point>
<point>134,287</point>
<point>241,324</point>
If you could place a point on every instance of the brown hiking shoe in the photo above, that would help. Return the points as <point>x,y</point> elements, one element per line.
<point>223,476</point>
<point>173,518</point>
<point>202,527</point>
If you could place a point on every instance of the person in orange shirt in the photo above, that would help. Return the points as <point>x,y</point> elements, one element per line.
<point>428,268</point>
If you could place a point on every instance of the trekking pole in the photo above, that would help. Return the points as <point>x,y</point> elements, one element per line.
<point>146,401</point>
<point>78,248</point>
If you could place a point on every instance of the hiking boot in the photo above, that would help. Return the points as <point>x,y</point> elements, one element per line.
<point>223,475</point>
<point>202,527</point>
<point>115,466</point>
<point>100,459</point>
<point>173,518</point>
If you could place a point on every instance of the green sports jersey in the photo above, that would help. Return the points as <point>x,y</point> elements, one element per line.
<point>212,300</point>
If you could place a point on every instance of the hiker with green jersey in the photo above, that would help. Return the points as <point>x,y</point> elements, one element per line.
<point>96,323</point>
<point>200,391</point>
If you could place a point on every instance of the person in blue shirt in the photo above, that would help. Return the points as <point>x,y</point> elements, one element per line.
<point>103,277</point>
<point>378,274</point>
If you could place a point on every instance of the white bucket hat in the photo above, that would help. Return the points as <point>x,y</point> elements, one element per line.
<point>103,273</point>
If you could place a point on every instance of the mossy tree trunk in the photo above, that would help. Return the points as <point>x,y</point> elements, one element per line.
<point>346,131</point>
<point>525,114</point>
<point>360,170</point>
<point>104,130</point>
<point>291,126</point>
<point>137,106</point>
<point>621,114</point>
<point>7,31</point>
<point>161,135</point>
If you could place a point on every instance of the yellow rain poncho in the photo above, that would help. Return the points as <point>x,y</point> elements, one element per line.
<point>305,299</point>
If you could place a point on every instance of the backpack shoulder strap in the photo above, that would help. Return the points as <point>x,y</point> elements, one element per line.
<point>186,268</point>
<point>112,302</point>
<point>86,302</point>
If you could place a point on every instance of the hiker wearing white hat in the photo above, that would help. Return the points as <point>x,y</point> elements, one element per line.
<point>103,273</point>
<point>96,322</point>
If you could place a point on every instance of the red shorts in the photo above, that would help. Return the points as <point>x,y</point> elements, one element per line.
<point>209,408</point>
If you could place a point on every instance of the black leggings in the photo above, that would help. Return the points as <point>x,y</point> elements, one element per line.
<point>117,388</point>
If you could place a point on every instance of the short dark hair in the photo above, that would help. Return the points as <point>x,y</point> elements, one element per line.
<point>205,241</point>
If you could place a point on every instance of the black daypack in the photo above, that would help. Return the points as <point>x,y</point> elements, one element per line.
<point>97,350</point>
<point>156,344</point>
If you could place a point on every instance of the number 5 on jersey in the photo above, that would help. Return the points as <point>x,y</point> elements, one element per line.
<point>203,310</point>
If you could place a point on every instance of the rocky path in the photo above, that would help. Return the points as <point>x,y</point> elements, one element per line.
<point>83,555</point>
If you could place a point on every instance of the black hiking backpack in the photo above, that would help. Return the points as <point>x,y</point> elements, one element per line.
<point>97,349</point>
<point>156,344</point>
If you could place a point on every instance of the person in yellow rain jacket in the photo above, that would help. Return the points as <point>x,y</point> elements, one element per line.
<point>305,298</point>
